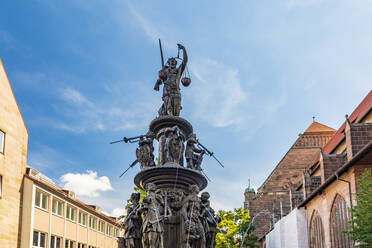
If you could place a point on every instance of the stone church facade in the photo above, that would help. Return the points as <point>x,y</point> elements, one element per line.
<point>309,207</point>
<point>277,194</point>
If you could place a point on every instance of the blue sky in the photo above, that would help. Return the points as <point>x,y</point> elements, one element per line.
<point>83,72</point>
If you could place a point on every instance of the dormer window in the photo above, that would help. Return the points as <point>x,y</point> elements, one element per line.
<point>2,141</point>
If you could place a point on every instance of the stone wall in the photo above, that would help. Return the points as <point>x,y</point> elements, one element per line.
<point>12,164</point>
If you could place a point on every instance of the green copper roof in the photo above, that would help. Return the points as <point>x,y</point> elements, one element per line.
<point>249,189</point>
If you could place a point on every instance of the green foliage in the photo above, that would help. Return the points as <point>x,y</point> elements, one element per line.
<point>361,232</point>
<point>142,194</point>
<point>235,226</point>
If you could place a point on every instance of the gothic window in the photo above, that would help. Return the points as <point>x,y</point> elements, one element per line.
<point>339,224</point>
<point>316,232</point>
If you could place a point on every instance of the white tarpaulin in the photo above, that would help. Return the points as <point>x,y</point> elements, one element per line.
<point>289,232</point>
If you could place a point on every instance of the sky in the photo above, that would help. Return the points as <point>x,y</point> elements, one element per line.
<point>83,73</point>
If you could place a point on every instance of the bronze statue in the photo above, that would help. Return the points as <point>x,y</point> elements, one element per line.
<point>194,156</point>
<point>132,224</point>
<point>145,151</point>
<point>152,225</point>
<point>174,146</point>
<point>210,222</point>
<point>170,76</point>
<point>194,230</point>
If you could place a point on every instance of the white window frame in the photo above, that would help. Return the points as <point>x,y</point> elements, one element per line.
<point>55,242</point>
<point>92,221</point>
<point>59,203</point>
<point>2,141</point>
<point>108,230</point>
<point>41,200</point>
<point>69,243</point>
<point>116,232</point>
<point>85,215</point>
<point>101,226</point>
<point>69,210</point>
<point>38,240</point>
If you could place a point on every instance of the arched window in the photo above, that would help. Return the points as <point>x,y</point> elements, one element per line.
<point>316,232</point>
<point>340,224</point>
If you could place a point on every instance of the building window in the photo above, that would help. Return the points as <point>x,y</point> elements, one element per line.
<point>69,243</point>
<point>41,200</point>
<point>80,245</point>
<point>316,232</point>
<point>70,213</point>
<point>116,233</point>
<point>57,207</point>
<point>2,142</point>
<point>101,226</point>
<point>108,230</point>
<point>39,239</point>
<point>92,222</point>
<point>55,242</point>
<point>339,224</point>
<point>82,218</point>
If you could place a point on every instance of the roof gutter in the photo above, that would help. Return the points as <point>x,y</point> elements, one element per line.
<point>338,173</point>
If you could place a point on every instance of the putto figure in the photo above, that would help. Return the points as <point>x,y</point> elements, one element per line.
<point>174,146</point>
<point>194,156</point>
<point>210,222</point>
<point>145,151</point>
<point>133,223</point>
<point>170,76</point>
<point>152,225</point>
<point>194,230</point>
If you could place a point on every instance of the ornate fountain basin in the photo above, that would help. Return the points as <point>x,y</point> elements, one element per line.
<point>170,175</point>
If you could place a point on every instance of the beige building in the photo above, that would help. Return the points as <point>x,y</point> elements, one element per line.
<point>34,212</point>
<point>13,154</point>
<point>56,219</point>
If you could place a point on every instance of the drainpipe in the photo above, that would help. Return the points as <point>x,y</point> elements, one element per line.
<point>350,198</point>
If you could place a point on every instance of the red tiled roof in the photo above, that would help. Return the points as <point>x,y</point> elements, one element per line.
<point>357,114</point>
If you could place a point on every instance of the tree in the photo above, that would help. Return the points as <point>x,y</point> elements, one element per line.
<point>361,230</point>
<point>235,228</point>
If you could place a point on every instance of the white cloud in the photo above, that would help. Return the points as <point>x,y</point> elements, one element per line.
<point>219,97</point>
<point>86,184</point>
<point>108,112</point>
<point>75,97</point>
<point>148,27</point>
<point>116,212</point>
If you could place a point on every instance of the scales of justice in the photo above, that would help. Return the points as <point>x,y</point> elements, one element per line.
<point>172,214</point>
